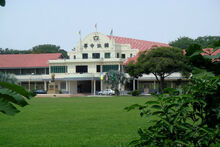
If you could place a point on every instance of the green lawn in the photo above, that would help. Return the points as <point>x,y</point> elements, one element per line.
<point>80,121</point>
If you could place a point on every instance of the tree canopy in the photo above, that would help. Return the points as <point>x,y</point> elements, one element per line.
<point>2,3</point>
<point>203,41</point>
<point>44,48</point>
<point>161,61</point>
<point>182,42</point>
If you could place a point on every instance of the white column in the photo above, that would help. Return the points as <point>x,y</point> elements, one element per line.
<point>133,84</point>
<point>100,77</point>
<point>66,86</point>
<point>45,85</point>
<point>69,87</point>
<point>94,86</point>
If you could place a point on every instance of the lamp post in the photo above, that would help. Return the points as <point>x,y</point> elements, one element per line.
<point>30,81</point>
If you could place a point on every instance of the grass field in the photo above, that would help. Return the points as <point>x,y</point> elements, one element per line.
<point>67,122</point>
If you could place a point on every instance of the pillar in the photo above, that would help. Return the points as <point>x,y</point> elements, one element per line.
<point>94,86</point>
<point>133,84</point>
<point>45,85</point>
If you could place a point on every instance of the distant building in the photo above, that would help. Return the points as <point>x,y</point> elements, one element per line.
<point>32,70</point>
<point>93,56</point>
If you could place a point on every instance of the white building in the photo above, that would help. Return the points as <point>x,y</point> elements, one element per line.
<point>88,61</point>
<point>94,56</point>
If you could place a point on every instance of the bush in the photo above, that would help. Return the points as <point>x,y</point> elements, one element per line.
<point>135,92</point>
<point>183,119</point>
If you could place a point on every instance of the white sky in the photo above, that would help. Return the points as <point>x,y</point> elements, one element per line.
<point>26,23</point>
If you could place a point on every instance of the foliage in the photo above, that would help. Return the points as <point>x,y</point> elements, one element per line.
<point>182,42</point>
<point>10,78</point>
<point>203,41</point>
<point>45,48</point>
<point>161,61</point>
<point>2,3</point>
<point>208,62</point>
<point>190,119</point>
<point>48,48</point>
<point>135,92</point>
<point>207,41</point>
<point>114,78</point>
<point>11,94</point>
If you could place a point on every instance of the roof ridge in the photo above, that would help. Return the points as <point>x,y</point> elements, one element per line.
<point>32,54</point>
<point>137,39</point>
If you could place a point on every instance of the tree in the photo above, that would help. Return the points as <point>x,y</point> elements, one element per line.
<point>183,119</point>
<point>2,3</point>
<point>205,61</point>
<point>207,41</point>
<point>10,78</point>
<point>114,78</point>
<point>182,42</point>
<point>11,94</point>
<point>48,48</point>
<point>161,61</point>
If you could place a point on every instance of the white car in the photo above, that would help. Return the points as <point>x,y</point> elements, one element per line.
<point>106,92</point>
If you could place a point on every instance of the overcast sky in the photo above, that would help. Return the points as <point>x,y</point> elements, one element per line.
<point>26,23</point>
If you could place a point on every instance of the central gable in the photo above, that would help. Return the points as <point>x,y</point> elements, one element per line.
<point>95,41</point>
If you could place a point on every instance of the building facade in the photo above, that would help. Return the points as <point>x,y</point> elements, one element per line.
<point>95,55</point>
<point>92,57</point>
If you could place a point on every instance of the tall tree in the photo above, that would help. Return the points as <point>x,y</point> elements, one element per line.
<point>161,61</point>
<point>182,42</point>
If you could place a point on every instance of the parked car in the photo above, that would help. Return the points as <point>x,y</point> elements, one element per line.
<point>40,92</point>
<point>106,92</point>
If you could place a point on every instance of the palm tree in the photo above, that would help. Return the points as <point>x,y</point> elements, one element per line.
<point>114,78</point>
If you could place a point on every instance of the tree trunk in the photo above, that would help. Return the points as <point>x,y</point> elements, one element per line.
<point>161,84</point>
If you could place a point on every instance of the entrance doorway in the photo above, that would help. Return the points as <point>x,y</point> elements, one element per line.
<point>83,86</point>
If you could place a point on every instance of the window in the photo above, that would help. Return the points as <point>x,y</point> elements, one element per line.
<point>123,56</point>
<point>85,56</point>
<point>99,45</point>
<point>107,55</point>
<point>58,69</point>
<point>82,69</point>
<point>98,68</point>
<point>74,57</point>
<point>106,45</point>
<point>92,45</point>
<point>95,55</point>
<point>130,55</point>
<point>118,55</point>
<point>85,45</point>
<point>107,68</point>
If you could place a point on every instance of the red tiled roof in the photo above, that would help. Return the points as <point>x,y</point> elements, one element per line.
<point>27,60</point>
<point>137,44</point>
<point>141,45</point>
<point>211,52</point>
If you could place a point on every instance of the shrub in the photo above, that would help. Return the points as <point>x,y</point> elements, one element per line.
<point>135,92</point>
<point>183,119</point>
